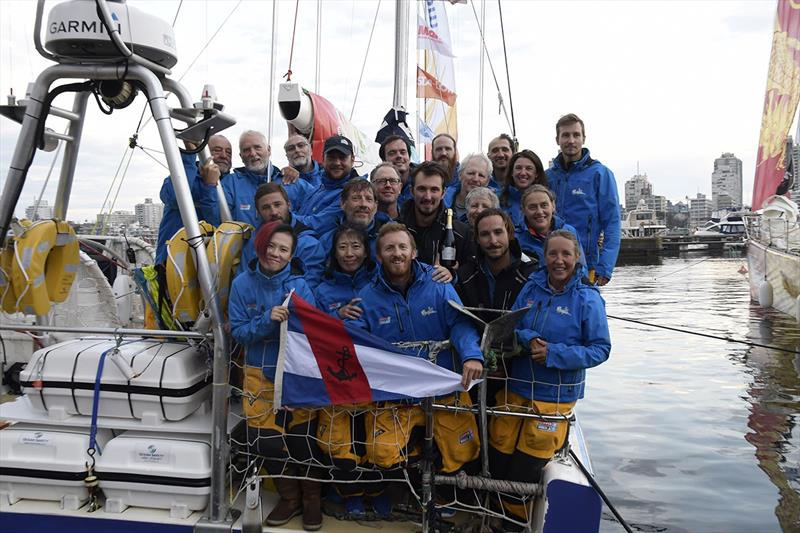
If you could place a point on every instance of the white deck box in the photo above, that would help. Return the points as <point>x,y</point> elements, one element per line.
<point>156,470</point>
<point>46,463</point>
<point>161,380</point>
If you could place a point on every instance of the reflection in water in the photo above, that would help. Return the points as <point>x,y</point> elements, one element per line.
<point>774,396</point>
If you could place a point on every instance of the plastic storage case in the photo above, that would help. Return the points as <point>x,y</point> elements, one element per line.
<point>161,471</point>
<point>46,463</point>
<point>149,380</point>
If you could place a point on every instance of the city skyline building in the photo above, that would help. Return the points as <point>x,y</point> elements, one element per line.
<point>149,214</point>
<point>40,211</point>
<point>700,209</point>
<point>637,188</point>
<point>726,182</point>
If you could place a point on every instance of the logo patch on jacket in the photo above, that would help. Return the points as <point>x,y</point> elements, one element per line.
<point>578,192</point>
<point>252,306</point>
<point>562,310</point>
<point>466,437</point>
<point>333,306</point>
<point>544,425</point>
<point>244,207</point>
<point>383,320</point>
<point>428,311</point>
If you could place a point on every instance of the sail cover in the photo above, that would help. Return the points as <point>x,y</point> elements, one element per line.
<point>780,102</point>
<point>436,81</point>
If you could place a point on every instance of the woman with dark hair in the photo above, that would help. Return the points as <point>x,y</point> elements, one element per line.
<point>255,311</point>
<point>539,219</point>
<point>526,169</point>
<point>349,269</point>
<point>564,332</point>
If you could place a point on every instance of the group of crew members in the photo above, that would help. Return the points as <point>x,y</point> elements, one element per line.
<point>367,249</point>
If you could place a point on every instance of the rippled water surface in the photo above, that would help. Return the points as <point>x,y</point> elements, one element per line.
<point>690,433</point>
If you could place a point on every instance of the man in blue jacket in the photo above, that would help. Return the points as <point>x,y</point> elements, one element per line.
<point>240,187</point>
<point>403,304</point>
<point>298,154</point>
<point>273,204</point>
<point>203,186</point>
<point>586,198</point>
<point>360,206</point>
<point>320,209</point>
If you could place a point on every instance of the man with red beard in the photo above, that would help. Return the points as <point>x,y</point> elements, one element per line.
<point>445,152</point>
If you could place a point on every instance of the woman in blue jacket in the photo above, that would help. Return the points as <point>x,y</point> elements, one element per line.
<point>255,311</point>
<point>526,170</point>
<point>564,332</point>
<point>349,269</point>
<point>539,219</point>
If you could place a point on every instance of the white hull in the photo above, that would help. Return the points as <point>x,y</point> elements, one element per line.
<point>782,271</point>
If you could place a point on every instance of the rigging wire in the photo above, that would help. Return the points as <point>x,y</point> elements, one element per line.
<point>270,101</point>
<point>288,74</point>
<point>318,47</point>
<point>706,335</point>
<point>177,12</point>
<point>508,73</point>
<point>366,55</point>
<point>491,66</point>
<point>213,36</point>
<point>683,268</point>
<point>47,178</point>
<point>121,181</point>
<point>128,150</point>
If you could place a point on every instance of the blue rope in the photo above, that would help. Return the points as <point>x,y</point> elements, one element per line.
<point>96,400</point>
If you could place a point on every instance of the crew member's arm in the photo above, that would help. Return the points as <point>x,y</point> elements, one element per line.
<point>596,341</point>
<point>610,225</point>
<point>464,339</point>
<point>249,323</point>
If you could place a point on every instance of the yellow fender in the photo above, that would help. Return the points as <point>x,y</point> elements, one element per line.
<point>182,285</point>
<point>8,300</point>
<point>224,253</point>
<point>45,263</point>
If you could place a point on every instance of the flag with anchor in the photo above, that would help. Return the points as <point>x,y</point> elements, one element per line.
<point>323,361</point>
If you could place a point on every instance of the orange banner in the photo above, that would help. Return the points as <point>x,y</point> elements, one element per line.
<point>430,87</point>
<point>780,102</point>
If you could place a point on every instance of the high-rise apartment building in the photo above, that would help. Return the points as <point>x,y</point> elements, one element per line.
<point>726,182</point>
<point>149,214</point>
<point>636,188</point>
<point>700,209</point>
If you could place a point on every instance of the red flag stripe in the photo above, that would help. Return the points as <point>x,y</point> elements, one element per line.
<point>344,379</point>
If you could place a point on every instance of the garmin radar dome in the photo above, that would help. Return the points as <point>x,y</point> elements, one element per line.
<point>75,33</point>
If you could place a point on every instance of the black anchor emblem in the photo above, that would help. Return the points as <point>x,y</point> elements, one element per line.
<point>342,374</point>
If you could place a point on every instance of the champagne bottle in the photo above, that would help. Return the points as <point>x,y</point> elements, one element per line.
<point>448,253</point>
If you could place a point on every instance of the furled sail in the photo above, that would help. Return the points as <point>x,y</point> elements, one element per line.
<point>436,74</point>
<point>780,102</point>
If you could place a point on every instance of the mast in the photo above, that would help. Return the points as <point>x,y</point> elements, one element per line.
<point>402,10</point>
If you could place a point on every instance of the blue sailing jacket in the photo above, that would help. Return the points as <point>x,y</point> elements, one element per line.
<point>574,325</point>
<point>240,192</point>
<point>512,205</point>
<point>534,244</point>
<point>321,208</point>
<point>308,251</point>
<point>338,288</point>
<point>313,175</point>
<point>205,203</point>
<point>586,198</point>
<point>253,295</point>
<point>422,314</point>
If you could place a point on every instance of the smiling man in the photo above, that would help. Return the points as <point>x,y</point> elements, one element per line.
<point>586,198</point>
<point>501,148</point>
<point>404,304</point>
<point>240,187</point>
<point>359,206</point>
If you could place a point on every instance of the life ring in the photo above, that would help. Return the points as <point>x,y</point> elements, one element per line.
<point>224,252</point>
<point>182,285</point>
<point>8,299</point>
<point>45,263</point>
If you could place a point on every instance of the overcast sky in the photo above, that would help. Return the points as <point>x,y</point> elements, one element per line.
<point>667,85</point>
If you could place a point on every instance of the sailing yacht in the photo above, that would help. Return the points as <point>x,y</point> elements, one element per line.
<point>773,229</point>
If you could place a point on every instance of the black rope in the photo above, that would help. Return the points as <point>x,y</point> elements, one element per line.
<point>707,335</point>
<point>508,74</point>
<point>602,494</point>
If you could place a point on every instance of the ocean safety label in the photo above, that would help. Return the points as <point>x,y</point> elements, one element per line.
<point>152,453</point>
<point>35,438</point>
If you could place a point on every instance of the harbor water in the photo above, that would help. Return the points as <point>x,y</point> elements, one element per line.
<point>694,434</point>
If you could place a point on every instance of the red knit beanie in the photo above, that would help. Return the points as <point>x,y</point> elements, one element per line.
<point>265,233</point>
